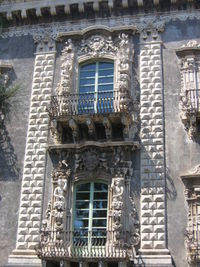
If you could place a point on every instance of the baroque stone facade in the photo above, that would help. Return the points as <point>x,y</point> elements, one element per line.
<point>112,132</point>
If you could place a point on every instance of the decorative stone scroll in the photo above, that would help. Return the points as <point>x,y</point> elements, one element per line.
<point>189,56</point>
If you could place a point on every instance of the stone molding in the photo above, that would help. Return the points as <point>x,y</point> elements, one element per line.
<point>58,29</point>
<point>153,221</point>
<point>35,156</point>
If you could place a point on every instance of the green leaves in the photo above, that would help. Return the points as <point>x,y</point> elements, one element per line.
<point>6,97</point>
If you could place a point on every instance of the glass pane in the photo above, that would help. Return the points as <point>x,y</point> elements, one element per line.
<point>83,187</point>
<point>85,89</point>
<point>105,80</point>
<point>100,187</point>
<point>91,66</point>
<point>99,213</point>
<point>82,205</point>
<point>106,65</point>
<point>82,213</point>
<point>100,204</point>
<point>99,232</point>
<point>108,72</point>
<point>83,196</point>
<point>90,81</point>
<point>99,223</point>
<point>100,195</point>
<point>80,223</point>
<point>106,87</point>
<point>84,74</point>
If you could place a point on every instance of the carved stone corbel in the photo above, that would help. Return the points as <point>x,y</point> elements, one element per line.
<point>45,43</point>
<point>108,128</point>
<point>91,127</point>
<point>75,129</point>
<point>56,131</point>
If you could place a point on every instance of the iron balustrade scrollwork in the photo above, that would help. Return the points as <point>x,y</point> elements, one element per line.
<point>89,103</point>
<point>79,244</point>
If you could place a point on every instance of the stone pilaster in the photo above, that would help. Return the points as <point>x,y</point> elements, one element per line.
<point>153,218</point>
<point>35,157</point>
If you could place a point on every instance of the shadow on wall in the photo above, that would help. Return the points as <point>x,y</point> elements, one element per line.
<point>9,170</point>
<point>170,187</point>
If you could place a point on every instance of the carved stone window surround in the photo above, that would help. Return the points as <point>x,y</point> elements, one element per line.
<point>91,49</point>
<point>192,234</point>
<point>91,164</point>
<point>189,56</point>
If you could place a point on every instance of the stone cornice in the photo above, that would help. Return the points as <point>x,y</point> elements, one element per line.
<point>138,24</point>
<point>10,7</point>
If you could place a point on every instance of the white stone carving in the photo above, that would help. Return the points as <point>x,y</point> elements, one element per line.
<point>67,62</point>
<point>34,171</point>
<point>98,46</point>
<point>152,156</point>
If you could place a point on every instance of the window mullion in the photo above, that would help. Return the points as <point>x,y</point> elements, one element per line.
<point>91,213</point>
<point>96,87</point>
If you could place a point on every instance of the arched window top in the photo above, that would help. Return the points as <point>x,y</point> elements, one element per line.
<point>96,76</point>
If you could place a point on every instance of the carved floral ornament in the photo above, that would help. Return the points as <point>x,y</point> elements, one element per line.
<point>189,56</point>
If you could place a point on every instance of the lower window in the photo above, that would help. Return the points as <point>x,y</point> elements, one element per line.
<point>90,214</point>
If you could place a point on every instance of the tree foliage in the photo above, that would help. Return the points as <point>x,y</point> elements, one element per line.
<point>6,98</point>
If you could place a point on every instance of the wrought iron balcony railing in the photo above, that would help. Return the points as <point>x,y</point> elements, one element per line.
<point>193,100</point>
<point>89,103</point>
<point>75,244</point>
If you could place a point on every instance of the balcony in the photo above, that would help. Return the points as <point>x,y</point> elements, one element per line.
<point>100,103</point>
<point>74,245</point>
<point>193,97</point>
<point>104,115</point>
<point>190,111</point>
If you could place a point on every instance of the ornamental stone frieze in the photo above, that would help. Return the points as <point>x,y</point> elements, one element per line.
<point>189,56</point>
<point>192,194</point>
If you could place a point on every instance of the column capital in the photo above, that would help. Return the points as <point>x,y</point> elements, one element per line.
<point>45,42</point>
<point>151,31</point>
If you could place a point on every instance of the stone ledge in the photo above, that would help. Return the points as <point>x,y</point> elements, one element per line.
<point>23,258</point>
<point>154,260</point>
<point>134,144</point>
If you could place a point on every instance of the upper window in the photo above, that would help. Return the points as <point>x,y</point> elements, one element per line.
<point>90,214</point>
<point>96,86</point>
